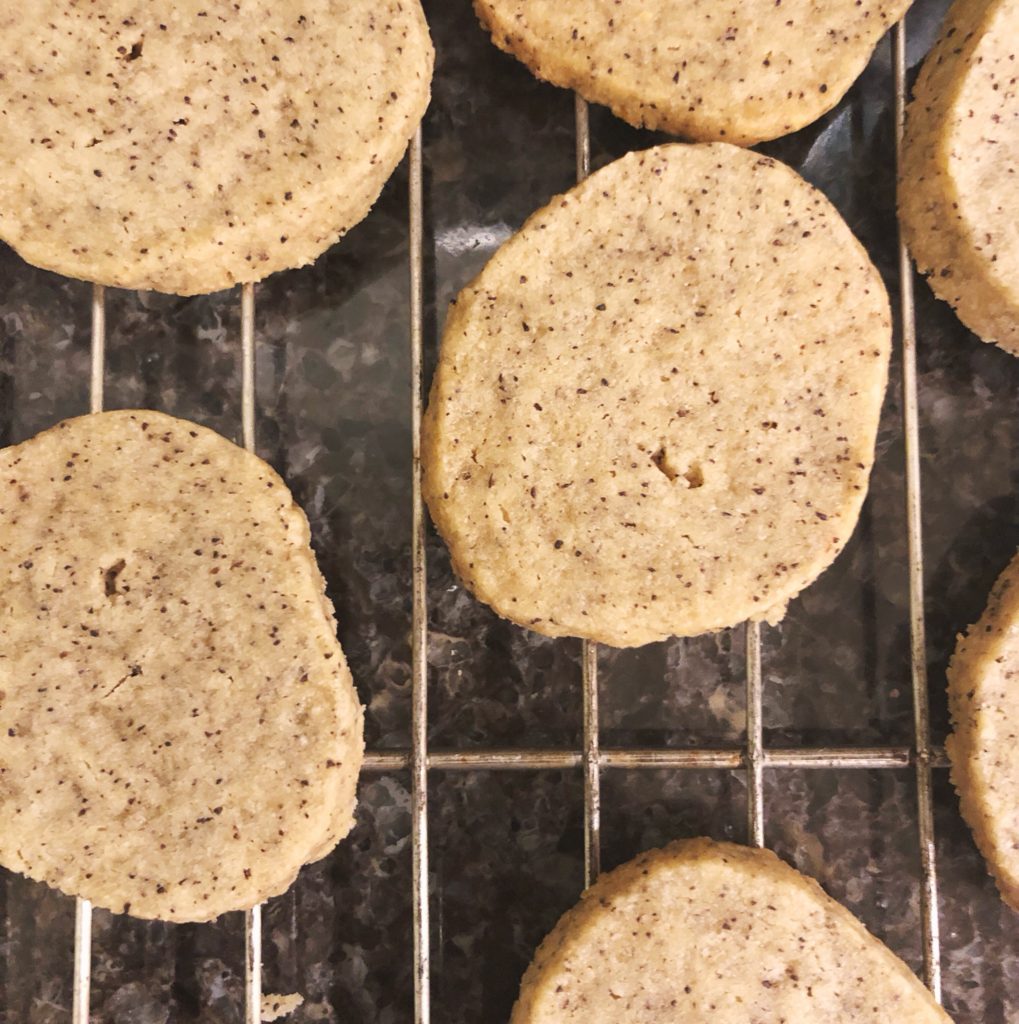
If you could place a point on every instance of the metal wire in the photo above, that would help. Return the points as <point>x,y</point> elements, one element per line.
<point>582,121</point>
<point>536,759</point>
<point>419,615</point>
<point>592,764</point>
<point>253,965</point>
<point>929,924</point>
<point>81,985</point>
<point>589,650</point>
<point>755,737</point>
<point>248,366</point>
<point>252,917</point>
<point>98,361</point>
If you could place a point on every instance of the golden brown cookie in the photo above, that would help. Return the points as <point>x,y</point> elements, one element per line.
<point>983,693</point>
<point>186,147</point>
<point>958,186</point>
<point>655,408</point>
<point>740,72</point>
<point>179,732</point>
<point>712,932</point>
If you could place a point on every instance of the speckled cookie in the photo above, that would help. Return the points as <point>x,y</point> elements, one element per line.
<point>178,728</point>
<point>186,147</point>
<point>983,694</point>
<point>737,72</point>
<point>712,932</point>
<point>655,409</point>
<point>958,186</point>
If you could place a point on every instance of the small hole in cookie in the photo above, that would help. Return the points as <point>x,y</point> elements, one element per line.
<point>662,465</point>
<point>692,475</point>
<point>110,577</point>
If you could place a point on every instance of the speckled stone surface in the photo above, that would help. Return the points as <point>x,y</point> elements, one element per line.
<point>507,848</point>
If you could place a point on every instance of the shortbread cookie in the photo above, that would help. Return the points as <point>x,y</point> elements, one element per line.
<point>712,932</point>
<point>178,728</point>
<point>958,186</point>
<point>655,409</point>
<point>735,73</point>
<point>186,147</point>
<point>983,693</point>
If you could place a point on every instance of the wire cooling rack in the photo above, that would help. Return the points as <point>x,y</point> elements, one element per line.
<point>592,759</point>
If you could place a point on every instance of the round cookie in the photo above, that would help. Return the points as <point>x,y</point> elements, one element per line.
<point>983,694</point>
<point>737,73</point>
<point>179,732</point>
<point>712,932</point>
<point>655,408</point>
<point>958,186</point>
<point>187,147</point>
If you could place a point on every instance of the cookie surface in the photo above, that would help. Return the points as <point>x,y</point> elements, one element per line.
<point>958,187</point>
<point>655,409</point>
<point>179,732</point>
<point>983,694</point>
<point>737,73</point>
<point>703,931</point>
<point>186,147</point>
